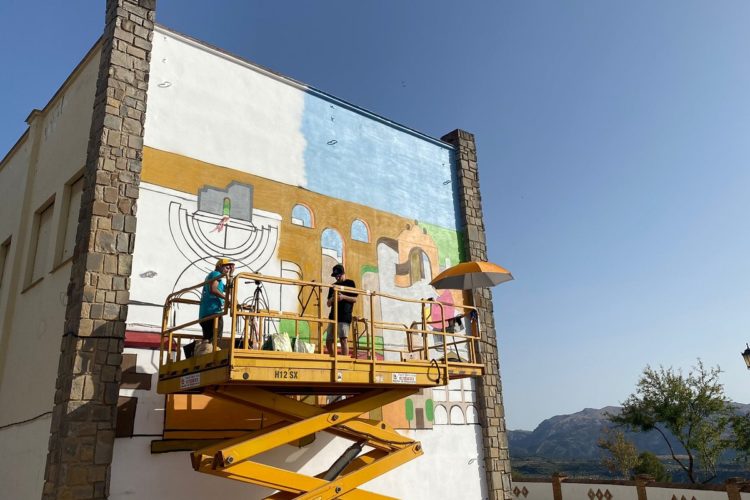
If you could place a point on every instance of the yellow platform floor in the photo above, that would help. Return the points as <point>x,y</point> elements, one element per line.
<point>298,373</point>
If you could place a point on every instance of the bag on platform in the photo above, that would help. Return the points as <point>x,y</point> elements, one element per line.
<point>281,342</point>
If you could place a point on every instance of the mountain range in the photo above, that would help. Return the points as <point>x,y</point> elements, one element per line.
<point>574,436</point>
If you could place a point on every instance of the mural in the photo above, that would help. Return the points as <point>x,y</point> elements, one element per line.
<point>240,216</point>
<point>221,227</point>
<point>394,226</point>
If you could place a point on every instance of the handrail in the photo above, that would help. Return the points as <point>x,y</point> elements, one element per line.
<point>248,320</point>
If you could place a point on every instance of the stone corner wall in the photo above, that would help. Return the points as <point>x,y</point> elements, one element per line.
<point>82,431</point>
<point>489,389</point>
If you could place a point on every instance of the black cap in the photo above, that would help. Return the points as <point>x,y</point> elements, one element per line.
<point>337,270</point>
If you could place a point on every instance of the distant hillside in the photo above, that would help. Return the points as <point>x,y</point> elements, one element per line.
<point>574,436</point>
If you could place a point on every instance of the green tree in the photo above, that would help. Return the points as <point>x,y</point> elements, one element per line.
<point>648,463</point>
<point>692,408</point>
<point>741,436</point>
<point>622,455</point>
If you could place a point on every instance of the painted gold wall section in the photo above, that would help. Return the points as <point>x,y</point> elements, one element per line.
<point>298,244</point>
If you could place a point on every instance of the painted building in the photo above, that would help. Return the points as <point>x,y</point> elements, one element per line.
<point>112,210</point>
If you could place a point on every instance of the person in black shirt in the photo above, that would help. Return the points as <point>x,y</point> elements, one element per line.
<point>346,302</point>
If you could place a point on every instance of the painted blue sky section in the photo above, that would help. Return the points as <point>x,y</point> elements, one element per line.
<point>357,158</point>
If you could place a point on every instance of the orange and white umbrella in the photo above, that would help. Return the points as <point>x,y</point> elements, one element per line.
<point>470,275</point>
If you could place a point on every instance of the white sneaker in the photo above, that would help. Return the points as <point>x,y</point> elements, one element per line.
<point>205,347</point>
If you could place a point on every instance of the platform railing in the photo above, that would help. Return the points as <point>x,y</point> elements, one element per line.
<point>257,314</point>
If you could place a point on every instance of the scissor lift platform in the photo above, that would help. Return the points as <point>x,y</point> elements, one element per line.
<point>276,382</point>
<point>299,373</point>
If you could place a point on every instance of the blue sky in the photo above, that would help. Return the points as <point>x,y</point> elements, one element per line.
<point>613,151</point>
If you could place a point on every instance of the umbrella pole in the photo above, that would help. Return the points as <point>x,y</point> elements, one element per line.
<point>475,303</point>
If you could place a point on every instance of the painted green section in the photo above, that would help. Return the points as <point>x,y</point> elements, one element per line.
<point>287,325</point>
<point>450,243</point>
<point>429,410</point>
<point>379,344</point>
<point>409,407</point>
<point>368,268</point>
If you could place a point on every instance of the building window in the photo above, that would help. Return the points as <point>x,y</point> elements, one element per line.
<point>4,255</point>
<point>332,245</point>
<point>419,266</point>
<point>40,243</point>
<point>74,192</point>
<point>302,216</point>
<point>360,231</point>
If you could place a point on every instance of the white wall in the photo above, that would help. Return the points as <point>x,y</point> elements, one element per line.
<point>668,493</point>
<point>449,468</point>
<point>582,490</point>
<point>229,113</point>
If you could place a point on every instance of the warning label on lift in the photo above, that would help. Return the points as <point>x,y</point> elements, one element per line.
<point>188,381</point>
<point>404,378</point>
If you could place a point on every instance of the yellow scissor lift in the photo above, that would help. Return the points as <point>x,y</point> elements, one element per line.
<point>292,385</point>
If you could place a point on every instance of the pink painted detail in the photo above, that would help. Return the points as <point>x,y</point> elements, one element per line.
<point>220,226</point>
<point>446,299</point>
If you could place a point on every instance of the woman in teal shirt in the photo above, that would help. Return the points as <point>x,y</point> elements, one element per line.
<point>213,297</point>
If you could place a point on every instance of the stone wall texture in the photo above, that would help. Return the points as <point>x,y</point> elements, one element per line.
<point>85,408</point>
<point>489,390</point>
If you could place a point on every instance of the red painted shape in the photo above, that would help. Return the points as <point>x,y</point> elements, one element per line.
<point>142,340</point>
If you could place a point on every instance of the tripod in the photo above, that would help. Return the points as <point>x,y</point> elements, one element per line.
<point>254,304</point>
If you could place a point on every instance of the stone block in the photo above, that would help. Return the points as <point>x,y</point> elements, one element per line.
<point>94,262</point>
<point>110,264</point>
<point>110,194</point>
<point>103,223</point>
<point>118,222</point>
<point>142,44</point>
<point>131,191</point>
<point>114,138</point>
<point>112,122</point>
<point>104,241</point>
<point>122,242</point>
<point>125,206</point>
<point>111,311</point>
<point>100,208</point>
<point>132,126</point>
<point>96,311</point>
<point>135,142</point>
<point>77,387</point>
<point>101,489</point>
<point>97,473</point>
<point>124,265</point>
<point>104,445</point>
<point>119,283</point>
<point>123,35</point>
<point>89,388</point>
<point>111,393</point>
<point>109,373</point>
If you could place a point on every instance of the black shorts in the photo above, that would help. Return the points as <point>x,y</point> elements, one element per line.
<point>208,328</point>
